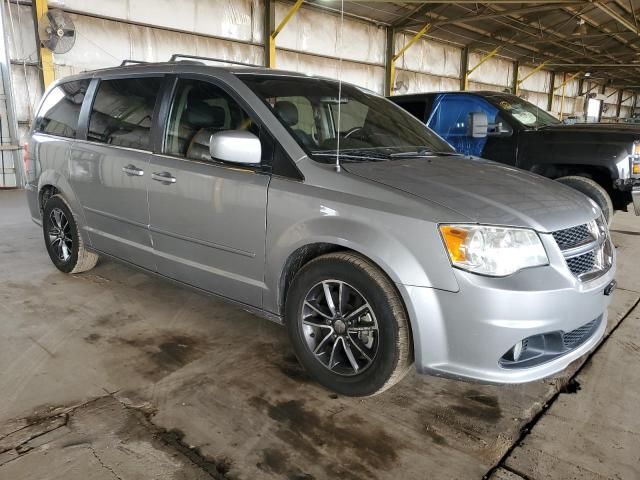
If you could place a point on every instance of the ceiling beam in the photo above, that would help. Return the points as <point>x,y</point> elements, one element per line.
<point>475,2</point>
<point>410,17</point>
<point>515,11</point>
<point>613,14</point>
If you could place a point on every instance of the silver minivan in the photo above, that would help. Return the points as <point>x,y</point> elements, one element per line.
<point>327,208</point>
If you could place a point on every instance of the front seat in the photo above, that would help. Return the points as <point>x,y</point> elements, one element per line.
<point>288,113</point>
<point>206,120</point>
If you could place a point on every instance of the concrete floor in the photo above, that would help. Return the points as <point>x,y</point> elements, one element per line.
<point>114,374</point>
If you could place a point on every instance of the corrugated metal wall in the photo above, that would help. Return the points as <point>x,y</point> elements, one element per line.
<point>534,87</point>
<point>108,32</point>
<point>27,85</point>
<point>427,66</point>
<point>495,74</point>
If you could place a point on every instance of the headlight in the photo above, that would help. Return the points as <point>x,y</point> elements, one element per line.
<point>495,251</point>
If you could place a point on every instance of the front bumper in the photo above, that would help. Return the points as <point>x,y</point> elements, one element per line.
<point>465,334</point>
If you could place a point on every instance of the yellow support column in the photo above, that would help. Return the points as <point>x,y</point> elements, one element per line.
<point>563,86</point>
<point>482,60</point>
<point>278,29</point>
<point>46,57</point>
<point>392,64</point>
<point>567,80</point>
<point>532,72</point>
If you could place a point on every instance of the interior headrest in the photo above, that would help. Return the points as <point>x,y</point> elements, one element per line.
<point>287,111</point>
<point>201,115</point>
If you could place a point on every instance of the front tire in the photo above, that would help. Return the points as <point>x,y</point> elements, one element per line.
<point>348,326</point>
<point>592,190</point>
<point>63,240</point>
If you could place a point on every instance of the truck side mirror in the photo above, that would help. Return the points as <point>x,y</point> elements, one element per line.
<point>500,129</point>
<point>478,125</point>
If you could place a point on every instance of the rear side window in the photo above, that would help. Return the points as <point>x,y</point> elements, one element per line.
<point>122,112</point>
<point>417,108</point>
<point>60,110</point>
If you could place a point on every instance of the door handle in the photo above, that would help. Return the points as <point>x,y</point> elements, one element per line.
<point>133,171</point>
<point>165,177</point>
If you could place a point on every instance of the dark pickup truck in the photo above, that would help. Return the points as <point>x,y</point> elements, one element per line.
<point>600,160</point>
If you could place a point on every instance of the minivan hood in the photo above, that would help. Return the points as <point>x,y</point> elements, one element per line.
<point>483,191</point>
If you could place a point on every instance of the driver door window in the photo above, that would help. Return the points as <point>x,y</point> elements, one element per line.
<point>200,109</point>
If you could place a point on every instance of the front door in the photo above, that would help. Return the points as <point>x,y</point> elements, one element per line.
<point>109,170</point>
<point>208,218</point>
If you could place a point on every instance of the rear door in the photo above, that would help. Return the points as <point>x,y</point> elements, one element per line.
<point>109,168</point>
<point>208,218</point>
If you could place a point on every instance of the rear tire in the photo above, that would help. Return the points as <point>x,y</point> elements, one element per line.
<point>592,190</point>
<point>63,240</point>
<point>357,343</point>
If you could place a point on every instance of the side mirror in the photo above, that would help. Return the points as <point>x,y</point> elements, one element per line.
<point>499,130</point>
<point>235,146</point>
<point>478,126</point>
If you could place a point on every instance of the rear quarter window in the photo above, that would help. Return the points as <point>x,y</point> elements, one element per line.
<point>60,109</point>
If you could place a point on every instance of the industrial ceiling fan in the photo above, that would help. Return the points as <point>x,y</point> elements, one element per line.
<point>56,31</point>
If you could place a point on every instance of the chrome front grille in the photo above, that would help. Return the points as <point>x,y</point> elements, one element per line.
<point>573,237</point>
<point>586,248</point>
<point>582,263</point>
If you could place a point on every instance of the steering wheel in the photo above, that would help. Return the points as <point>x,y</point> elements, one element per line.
<point>351,131</point>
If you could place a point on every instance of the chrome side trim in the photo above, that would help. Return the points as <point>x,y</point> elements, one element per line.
<point>104,234</point>
<point>215,271</point>
<point>115,217</point>
<point>203,242</point>
<point>108,145</point>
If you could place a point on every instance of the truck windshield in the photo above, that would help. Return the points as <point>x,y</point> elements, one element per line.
<point>365,126</point>
<point>524,112</point>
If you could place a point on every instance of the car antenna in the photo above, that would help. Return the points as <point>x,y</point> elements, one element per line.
<point>339,86</point>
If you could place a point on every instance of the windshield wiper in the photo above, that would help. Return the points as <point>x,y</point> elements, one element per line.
<point>424,153</point>
<point>354,154</point>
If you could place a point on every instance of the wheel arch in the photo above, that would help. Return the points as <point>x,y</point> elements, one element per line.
<point>52,182</point>
<point>306,253</point>
<point>601,174</point>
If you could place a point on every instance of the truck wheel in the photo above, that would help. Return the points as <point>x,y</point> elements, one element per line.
<point>592,190</point>
<point>63,240</point>
<point>348,326</point>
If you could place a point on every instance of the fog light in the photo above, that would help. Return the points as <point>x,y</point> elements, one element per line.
<point>517,351</point>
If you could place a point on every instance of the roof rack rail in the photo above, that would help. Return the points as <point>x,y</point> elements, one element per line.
<point>129,61</point>
<point>177,56</point>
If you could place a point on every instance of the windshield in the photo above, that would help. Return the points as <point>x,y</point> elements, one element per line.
<point>370,127</point>
<point>524,112</point>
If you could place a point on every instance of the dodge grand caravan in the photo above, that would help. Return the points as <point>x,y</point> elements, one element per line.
<point>330,210</point>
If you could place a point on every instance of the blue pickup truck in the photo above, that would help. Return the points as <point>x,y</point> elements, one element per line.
<point>600,160</point>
